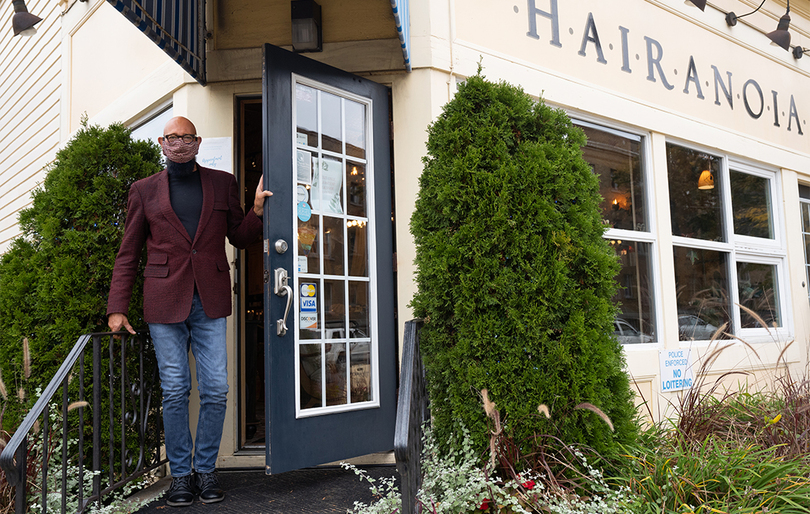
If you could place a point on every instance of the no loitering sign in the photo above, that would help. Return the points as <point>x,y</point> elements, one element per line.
<point>676,370</point>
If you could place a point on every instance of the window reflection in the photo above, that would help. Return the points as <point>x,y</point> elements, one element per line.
<point>635,324</point>
<point>702,295</point>
<point>694,195</point>
<point>751,200</point>
<point>617,162</point>
<point>757,289</point>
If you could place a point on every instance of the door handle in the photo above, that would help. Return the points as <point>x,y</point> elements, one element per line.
<point>281,324</point>
<point>281,288</point>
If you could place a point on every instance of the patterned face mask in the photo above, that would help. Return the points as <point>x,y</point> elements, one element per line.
<point>180,152</point>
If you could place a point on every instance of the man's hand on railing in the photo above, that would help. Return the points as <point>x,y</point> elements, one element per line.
<point>117,321</point>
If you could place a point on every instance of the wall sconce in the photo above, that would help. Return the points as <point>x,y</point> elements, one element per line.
<point>307,35</point>
<point>22,20</point>
<point>781,37</point>
<point>706,180</point>
<point>700,4</point>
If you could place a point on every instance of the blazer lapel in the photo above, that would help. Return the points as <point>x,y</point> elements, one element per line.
<point>208,199</point>
<point>166,205</point>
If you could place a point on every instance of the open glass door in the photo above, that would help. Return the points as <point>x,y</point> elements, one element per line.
<point>329,323</point>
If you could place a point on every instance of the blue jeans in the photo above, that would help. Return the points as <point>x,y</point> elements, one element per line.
<point>206,338</point>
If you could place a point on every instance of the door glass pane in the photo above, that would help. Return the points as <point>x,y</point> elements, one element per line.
<point>694,193</point>
<point>333,245</point>
<point>356,179</point>
<point>308,254</point>
<point>327,186</point>
<point>636,323</point>
<point>617,161</point>
<point>751,202</point>
<point>310,376</point>
<point>306,115</point>
<point>358,310</point>
<point>331,122</point>
<point>358,248</point>
<point>360,371</point>
<point>336,374</point>
<point>355,129</point>
<point>758,292</point>
<point>335,308</point>
<point>702,295</point>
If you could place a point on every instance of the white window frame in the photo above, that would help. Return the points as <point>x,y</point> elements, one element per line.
<point>648,236</point>
<point>320,277</point>
<point>745,248</point>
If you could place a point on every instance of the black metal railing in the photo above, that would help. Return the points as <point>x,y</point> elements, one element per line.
<point>102,432</point>
<point>412,412</point>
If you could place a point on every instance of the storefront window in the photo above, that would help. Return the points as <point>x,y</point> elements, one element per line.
<point>617,158</point>
<point>751,200</point>
<point>757,287</point>
<point>695,181</point>
<point>703,301</point>
<point>708,251</point>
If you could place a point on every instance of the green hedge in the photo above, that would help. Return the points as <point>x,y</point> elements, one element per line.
<point>54,279</point>
<point>514,278</point>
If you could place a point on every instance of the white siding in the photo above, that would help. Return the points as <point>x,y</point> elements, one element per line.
<point>29,109</point>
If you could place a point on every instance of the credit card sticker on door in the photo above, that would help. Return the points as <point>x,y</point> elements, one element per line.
<point>309,306</point>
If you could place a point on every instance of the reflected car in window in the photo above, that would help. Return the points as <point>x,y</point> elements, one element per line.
<point>694,328</point>
<point>627,333</point>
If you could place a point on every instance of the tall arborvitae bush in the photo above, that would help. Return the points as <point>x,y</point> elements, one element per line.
<point>514,278</point>
<point>54,279</point>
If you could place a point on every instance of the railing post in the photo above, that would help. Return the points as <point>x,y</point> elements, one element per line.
<point>97,418</point>
<point>21,488</point>
<point>411,415</point>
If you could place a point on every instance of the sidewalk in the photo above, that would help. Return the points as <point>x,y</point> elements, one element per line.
<point>305,491</point>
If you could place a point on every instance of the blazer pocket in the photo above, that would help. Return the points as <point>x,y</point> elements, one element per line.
<point>223,266</point>
<point>156,271</point>
<point>220,206</point>
<point>156,265</point>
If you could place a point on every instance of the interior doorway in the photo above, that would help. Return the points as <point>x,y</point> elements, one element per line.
<point>250,291</point>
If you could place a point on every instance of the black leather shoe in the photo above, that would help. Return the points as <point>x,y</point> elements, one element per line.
<point>181,492</point>
<point>209,488</point>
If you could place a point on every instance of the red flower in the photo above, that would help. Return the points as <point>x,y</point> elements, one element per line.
<point>484,505</point>
<point>528,485</point>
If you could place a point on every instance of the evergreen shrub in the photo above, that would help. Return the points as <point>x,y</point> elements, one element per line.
<point>55,277</point>
<point>514,277</point>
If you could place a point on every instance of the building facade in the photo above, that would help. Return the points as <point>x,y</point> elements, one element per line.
<point>697,129</point>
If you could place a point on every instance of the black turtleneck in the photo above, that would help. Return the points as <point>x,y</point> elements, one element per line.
<point>185,192</point>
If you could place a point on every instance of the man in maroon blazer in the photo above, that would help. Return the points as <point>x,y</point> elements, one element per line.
<point>183,215</point>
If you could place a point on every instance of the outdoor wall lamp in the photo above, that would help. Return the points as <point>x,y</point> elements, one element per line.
<point>700,4</point>
<point>307,35</point>
<point>22,20</point>
<point>781,37</point>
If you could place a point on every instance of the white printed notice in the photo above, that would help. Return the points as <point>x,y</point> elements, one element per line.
<point>217,153</point>
<point>676,370</point>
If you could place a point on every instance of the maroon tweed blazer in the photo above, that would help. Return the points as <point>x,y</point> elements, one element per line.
<point>175,263</point>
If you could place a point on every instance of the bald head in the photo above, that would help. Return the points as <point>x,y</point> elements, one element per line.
<point>179,126</point>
